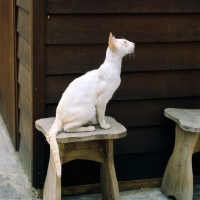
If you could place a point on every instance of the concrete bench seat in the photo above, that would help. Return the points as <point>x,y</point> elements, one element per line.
<point>96,146</point>
<point>178,176</point>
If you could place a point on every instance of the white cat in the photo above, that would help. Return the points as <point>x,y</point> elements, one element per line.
<point>85,99</point>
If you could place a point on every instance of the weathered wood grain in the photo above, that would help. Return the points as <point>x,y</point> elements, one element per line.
<point>24,104</point>
<point>80,29</point>
<point>23,23</point>
<point>178,176</point>
<point>115,132</point>
<point>187,119</point>
<point>141,112</point>
<point>25,130</point>
<point>127,6</point>
<point>135,86</point>
<point>24,79</point>
<point>25,157</point>
<point>123,186</point>
<point>72,59</point>
<point>23,51</point>
<point>109,184</point>
<point>25,4</point>
<point>79,150</point>
<point>102,148</point>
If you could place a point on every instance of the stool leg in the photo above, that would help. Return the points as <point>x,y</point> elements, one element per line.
<point>178,176</point>
<point>52,186</point>
<point>109,184</point>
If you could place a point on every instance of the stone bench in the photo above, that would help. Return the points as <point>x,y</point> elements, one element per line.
<point>178,176</point>
<point>95,146</point>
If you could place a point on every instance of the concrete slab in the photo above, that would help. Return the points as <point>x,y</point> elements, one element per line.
<point>14,183</point>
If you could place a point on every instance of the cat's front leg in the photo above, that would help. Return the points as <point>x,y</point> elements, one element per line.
<point>101,108</point>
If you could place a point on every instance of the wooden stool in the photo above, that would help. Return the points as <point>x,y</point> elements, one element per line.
<point>95,146</point>
<point>178,176</point>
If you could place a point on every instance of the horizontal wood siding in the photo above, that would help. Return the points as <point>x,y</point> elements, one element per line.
<point>135,86</point>
<point>24,78</point>
<point>25,4</point>
<point>25,156</point>
<point>23,23</point>
<point>24,85</point>
<point>127,6</point>
<point>140,113</point>
<point>76,59</point>
<point>163,72</point>
<point>73,29</point>
<point>23,51</point>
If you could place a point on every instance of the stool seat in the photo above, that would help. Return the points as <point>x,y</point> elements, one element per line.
<point>96,146</point>
<point>178,177</point>
<point>116,131</point>
<point>187,119</point>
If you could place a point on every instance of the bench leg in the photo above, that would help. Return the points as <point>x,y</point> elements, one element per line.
<point>52,186</point>
<point>109,184</point>
<point>178,176</point>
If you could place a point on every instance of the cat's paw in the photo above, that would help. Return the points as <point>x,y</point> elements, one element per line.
<point>105,126</point>
<point>91,128</point>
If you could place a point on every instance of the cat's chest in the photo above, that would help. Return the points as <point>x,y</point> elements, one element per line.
<point>109,85</point>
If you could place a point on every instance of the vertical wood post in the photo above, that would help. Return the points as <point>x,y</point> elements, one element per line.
<point>38,87</point>
<point>109,184</point>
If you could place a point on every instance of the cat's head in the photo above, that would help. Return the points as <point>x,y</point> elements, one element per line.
<point>121,47</point>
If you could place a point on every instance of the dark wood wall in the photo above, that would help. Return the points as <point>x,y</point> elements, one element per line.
<point>24,81</point>
<point>7,67</point>
<point>163,73</point>
<point>30,34</point>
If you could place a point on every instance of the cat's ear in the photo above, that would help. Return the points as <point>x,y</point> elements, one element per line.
<point>111,43</point>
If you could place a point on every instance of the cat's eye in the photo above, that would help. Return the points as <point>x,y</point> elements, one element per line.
<point>125,42</point>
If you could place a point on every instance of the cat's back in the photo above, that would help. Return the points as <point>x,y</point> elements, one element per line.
<point>89,79</point>
<point>82,88</point>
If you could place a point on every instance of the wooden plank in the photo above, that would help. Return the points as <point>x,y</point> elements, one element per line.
<point>24,79</point>
<point>135,86</point>
<point>127,6</point>
<point>8,69</point>
<point>141,112</point>
<point>25,130</point>
<point>25,4</point>
<point>23,23</point>
<point>82,29</point>
<point>23,51</point>
<point>25,158</point>
<point>38,88</point>
<point>96,188</point>
<point>24,104</point>
<point>72,59</point>
<point>146,139</point>
<point>123,186</point>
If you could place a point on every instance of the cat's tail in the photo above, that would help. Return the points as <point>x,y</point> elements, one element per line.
<point>51,138</point>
